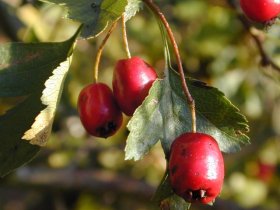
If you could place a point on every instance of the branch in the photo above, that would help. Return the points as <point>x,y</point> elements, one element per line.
<point>96,181</point>
<point>265,59</point>
<point>74,179</point>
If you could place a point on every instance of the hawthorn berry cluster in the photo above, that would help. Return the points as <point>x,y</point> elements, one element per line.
<point>101,109</point>
<point>262,11</point>
<point>195,162</point>
<point>196,165</point>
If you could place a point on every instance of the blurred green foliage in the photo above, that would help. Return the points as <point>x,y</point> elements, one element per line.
<point>76,171</point>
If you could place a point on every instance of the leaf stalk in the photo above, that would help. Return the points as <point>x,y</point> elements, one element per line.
<point>191,102</point>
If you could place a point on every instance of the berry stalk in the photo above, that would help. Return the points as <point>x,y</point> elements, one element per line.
<point>100,50</point>
<point>125,37</point>
<point>156,10</point>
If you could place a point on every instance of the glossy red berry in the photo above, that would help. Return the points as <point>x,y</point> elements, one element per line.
<point>260,10</point>
<point>196,167</point>
<point>99,112</point>
<point>132,80</point>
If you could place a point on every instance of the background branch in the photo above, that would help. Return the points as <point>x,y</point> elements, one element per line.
<point>89,180</point>
<point>9,23</point>
<point>94,181</point>
<point>265,59</point>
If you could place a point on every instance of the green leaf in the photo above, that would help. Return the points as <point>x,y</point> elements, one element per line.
<point>145,125</point>
<point>35,72</point>
<point>95,15</point>
<point>41,128</point>
<point>164,189</point>
<point>25,67</point>
<point>14,151</point>
<point>166,198</point>
<point>132,8</point>
<point>174,202</point>
<point>164,115</point>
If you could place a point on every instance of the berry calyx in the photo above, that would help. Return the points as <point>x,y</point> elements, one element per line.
<point>132,80</point>
<point>196,167</point>
<point>98,110</point>
<point>260,10</point>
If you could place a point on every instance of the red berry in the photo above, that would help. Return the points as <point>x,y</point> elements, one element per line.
<point>99,112</point>
<point>132,80</point>
<point>260,10</point>
<point>266,171</point>
<point>196,167</point>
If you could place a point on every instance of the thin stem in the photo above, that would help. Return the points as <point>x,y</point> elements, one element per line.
<point>125,37</point>
<point>189,97</point>
<point>100,50</point>
<point>265,59</point>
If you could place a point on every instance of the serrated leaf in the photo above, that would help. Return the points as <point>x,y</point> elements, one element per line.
<point>145,122</point>
<point>164,115</point>
<point>41,128</point>
<point>95,15</point>
<point>132,8</point>
<point>24,69</point>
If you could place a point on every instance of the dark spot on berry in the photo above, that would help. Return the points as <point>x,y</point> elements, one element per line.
<point>112,125</point>
<point>174,169</point>
<point>184,152</point>
<point>107,129</point>
<point>198,194</point>
<point>194,195</point>
<point>84,98</point>
<point>188,195</point>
